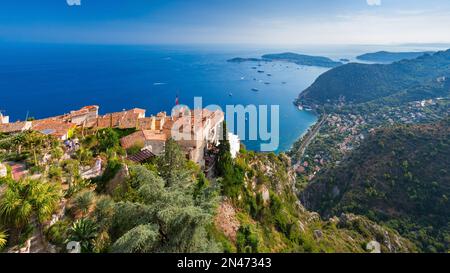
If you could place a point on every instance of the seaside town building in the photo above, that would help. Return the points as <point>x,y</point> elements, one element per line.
<point>147,139</point>
<point>122,120</point>
<point>80,117</point>
<point>57,128</point>
<point>196,132</point>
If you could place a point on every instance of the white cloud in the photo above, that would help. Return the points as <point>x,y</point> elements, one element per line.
<point>374,2</point>
<point>74,2</point>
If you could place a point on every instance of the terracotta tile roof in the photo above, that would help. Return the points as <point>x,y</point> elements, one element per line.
<point>15,127</point>
<point>91,107</point>
<point>129,141</point>
<point>138,111</point>
<point>123,120</point>
<point>139,138</point>
<point>52,127</point>
<point>152,135</point>
<point>130,119</point>
<point>83,111</point>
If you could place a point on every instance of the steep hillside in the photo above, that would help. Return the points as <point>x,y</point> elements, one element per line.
<point>265,216</point>
<point>399,176</point>
<point>358,83</point>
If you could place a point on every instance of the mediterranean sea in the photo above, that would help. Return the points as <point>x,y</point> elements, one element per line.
<point>41,80</point>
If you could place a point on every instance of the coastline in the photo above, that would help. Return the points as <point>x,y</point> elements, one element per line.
<point>305,139</point>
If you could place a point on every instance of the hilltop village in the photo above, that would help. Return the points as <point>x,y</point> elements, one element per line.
<point>75,156</point>
<point>150,133</point>
<point>124,182</point>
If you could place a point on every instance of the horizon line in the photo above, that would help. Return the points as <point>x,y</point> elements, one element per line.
<point>223,43</point>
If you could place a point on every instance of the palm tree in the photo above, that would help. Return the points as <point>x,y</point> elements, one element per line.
<point>45,198</point>
<point>72,169</point>
<point>27,199</point>
<point>84,231</point>
<point>15,207</point>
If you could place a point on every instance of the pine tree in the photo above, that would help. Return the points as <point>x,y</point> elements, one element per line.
<point>172,162</point>
<point>224,161</point>
<point>232,177</point>
<point>167,219</point>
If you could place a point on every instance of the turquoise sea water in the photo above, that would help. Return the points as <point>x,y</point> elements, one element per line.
<point>45,80</point>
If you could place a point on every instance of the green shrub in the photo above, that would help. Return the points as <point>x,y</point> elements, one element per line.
<point>113,166</point>
<point>55,173</point>
<point>37,169</point>
<point>108,139</point>
<point>57,234</point>
<point>247,240</point>
<point>135,149</point>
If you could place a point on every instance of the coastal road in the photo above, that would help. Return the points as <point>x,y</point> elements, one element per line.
<point>310,136</point>
<point>305,143</point>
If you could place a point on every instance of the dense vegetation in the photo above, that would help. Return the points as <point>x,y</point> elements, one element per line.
<point>403,81</point>
<point>399,176</point>
<point>166,204</point>
<point>260,188</point>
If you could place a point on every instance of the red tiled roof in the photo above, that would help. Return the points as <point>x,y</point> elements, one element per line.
<point>138,111</point>
<point>139,138</point>
<point>123,120</point>
<point>91,107</point>
<point>83,111</point>
<point>14,127</point>
<point>52,127</point>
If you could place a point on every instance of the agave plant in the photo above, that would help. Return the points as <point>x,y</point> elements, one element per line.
<point>83,202</point>
<point>84,231</point>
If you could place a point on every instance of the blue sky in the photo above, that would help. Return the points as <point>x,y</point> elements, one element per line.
<point>226,21</point>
